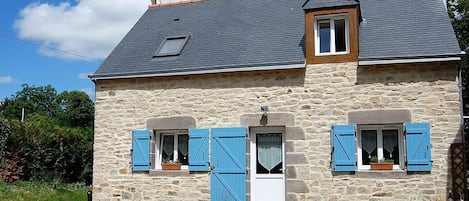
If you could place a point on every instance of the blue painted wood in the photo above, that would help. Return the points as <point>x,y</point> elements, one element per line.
<point>418,147</point>
<point>228,158</point>
<point>198,150</point>
<point>141,150</point>
<point>343,148</point>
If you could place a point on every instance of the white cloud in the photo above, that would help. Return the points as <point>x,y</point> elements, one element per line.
<point>90,28</point>
<point>6,79</point>
<point>83,76</point>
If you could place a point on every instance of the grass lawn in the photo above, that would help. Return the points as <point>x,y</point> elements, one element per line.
<point>33,191</point>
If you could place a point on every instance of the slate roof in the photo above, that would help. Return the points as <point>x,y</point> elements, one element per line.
<point>405,28</point>
<point>228,35</point>
<point>224,34</point>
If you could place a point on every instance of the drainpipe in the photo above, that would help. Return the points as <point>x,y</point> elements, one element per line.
<point>461,65</point>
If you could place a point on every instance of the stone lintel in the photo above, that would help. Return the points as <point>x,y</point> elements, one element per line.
<point>271,119</point>
<point>171,123</point>
<point>379,117</point>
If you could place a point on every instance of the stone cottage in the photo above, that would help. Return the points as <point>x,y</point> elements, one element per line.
<point>279,100</point>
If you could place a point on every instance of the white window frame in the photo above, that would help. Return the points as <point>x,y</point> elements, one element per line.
<point>331,19</point>
<point>379,129</point>
<point>159,145</point>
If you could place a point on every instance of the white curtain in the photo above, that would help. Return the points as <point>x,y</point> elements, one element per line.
<point>369,141</point>
<point>168,145</point>
<point>389,140</point>
<point>182,144</point>
<point>269,150</point>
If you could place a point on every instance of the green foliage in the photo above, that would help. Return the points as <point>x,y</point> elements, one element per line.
<point>5,133</point>
<point>55,140</point>
<point>39,100</point>
<point>458,11</point>
<point>76,109</point>
<point>34,191</point>
<point>49,151</point>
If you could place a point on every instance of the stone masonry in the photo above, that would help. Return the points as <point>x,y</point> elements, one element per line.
<point>317,97</point>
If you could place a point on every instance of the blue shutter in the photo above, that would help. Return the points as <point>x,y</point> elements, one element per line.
<point>198,149</point>
<point>343,148</point>
<point>228,177</point>
<point>418,147</point>
<point>141,150</point>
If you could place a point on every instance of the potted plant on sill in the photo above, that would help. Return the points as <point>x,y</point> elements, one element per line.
<point>170,165</point>
<point>386,164</point>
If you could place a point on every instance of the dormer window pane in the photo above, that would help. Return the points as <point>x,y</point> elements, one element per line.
<point>331,35</point>
<point>324,36</point>
<point>340,44</point>
<point>171,46</point>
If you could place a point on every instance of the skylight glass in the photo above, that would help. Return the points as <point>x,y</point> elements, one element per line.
<point>171,46</point>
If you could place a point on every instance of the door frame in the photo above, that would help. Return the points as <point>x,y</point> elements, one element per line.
<point>253,131</point>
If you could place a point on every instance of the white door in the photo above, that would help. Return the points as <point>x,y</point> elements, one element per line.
<point>267,164</point>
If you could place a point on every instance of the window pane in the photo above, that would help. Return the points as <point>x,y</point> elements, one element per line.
<point>390,145</point>
<point>269,153</point>
<point>369,145</point>
<point>171,46</point>
<point>168,148</point>
<point>324,36</point>
<point>339,28</point>
<point>183,149</point>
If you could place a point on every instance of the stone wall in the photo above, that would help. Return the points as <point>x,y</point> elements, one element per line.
<point>317,97</point>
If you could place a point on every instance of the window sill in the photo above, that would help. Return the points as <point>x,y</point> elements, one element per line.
<point>331,54</point>
<point>173,173</point>
<point>395,174</point>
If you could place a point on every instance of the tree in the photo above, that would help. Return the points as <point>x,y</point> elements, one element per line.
<point>55,142</point>
<point>458,11</point>
<point>75,109</point>
<point>33,100</point>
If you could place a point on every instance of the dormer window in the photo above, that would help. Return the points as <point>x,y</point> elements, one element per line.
<point>331,35</point>
<point>171,46</point>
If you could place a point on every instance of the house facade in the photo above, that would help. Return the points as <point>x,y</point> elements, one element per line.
<point>279,100</point>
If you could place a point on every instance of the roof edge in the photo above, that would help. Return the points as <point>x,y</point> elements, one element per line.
<point>225,69</point>
<point>156,4</point>
<point>409,59</point>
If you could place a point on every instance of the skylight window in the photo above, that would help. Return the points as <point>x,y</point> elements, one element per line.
<point>171,46</point>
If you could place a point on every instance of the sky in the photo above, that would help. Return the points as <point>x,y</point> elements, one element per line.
<point>60,42</point>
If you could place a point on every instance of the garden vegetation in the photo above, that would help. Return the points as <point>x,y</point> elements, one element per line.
<point>46,137</point>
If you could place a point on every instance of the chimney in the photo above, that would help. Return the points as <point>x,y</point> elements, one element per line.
<point>157,3</point>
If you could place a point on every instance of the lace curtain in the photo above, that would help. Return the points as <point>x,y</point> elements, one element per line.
<point>369,141</point>
<point>269,150</point>
<point>389,141</point>
<point>182,145</point>
<point>168,146</point>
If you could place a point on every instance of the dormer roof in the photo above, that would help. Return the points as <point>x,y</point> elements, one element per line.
<point>322,4</point>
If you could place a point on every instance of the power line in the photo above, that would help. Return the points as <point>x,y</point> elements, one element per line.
<point>48,47</point>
